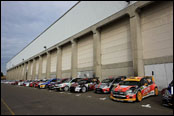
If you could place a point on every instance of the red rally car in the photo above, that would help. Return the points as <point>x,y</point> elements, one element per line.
<point>134,89</point>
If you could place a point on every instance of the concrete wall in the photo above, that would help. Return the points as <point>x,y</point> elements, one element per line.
<point>37,66</point>
<point>53,61</point>
<point>116,49</point>
<point>44,63</point>
<point>157,30</point>
<point>85,51</point>
<point>66,57</point>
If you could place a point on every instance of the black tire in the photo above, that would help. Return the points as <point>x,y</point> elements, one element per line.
<point>46,86</point>
<point>56,89</point>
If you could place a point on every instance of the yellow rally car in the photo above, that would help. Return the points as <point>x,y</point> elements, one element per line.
<point>134,89</point>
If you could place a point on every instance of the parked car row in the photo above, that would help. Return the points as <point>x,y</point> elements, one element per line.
<point>120,88</point>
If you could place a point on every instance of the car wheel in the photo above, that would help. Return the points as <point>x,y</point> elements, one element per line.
<point>66,88</point>
<point>46,86</point>
<point>139,96</point>
<point>84,89</point>
<point>156,91</point>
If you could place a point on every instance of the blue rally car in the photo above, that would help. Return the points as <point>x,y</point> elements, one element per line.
<point>45,84</point>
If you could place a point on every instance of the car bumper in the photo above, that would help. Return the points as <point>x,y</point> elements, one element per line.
<point>100,90</point>
<point>122,99</point>
<point>42,86</point>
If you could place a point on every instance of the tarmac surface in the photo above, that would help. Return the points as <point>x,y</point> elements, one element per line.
<point>19,100</point>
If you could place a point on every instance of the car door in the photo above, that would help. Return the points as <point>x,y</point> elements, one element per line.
<point>148,87</point>
<point>144,88</point>
<point>151,85</point>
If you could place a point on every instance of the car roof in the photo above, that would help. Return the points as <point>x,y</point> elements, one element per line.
<point>133,79</point>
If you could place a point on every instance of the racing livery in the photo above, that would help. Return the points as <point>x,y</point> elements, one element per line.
<point>21,82</point>
<point>134,89</point>
<point>59,81</point>
<point>167,95</point>
<point>46,82</point>
<point>84,85</point>
<point>107,84</point>
<point>66,84</point>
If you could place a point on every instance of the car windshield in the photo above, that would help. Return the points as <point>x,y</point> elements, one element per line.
<point>129,83</point>
<point>82,82</point>
<point>107,80</point>
<point>77,80</point>
<point>67,81</point>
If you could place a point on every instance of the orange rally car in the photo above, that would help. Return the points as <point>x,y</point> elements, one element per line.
<point>134,89</point>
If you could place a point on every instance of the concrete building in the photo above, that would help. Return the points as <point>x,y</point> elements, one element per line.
<point>102,38</point>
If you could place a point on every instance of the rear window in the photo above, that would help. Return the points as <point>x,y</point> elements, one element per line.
<point>107,80</point>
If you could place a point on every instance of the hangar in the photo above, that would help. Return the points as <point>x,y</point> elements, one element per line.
<point>102,39</point>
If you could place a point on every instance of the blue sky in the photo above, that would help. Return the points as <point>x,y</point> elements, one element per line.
<point>22,21</point>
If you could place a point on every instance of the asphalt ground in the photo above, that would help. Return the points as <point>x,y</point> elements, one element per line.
<point>21,100</point>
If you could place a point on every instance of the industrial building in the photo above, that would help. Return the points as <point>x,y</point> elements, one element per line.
<point>102,39</point>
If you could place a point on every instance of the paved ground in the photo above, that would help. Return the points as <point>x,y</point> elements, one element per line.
<point>32,101</point>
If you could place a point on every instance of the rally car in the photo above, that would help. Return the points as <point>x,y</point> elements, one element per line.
<point>46,82</point>
<point>27,83</point>
<point>107,84</point>
<point>36,84</point>
<point>83,85</point>
<point>167,95</point>
<point>32,83</point>
<point>134,89</point>
<point>21,82</point>
<point>59,81</point>
<point>66,84</point>
<point>14,82</point>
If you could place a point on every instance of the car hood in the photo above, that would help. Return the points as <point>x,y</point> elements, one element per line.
<point>102,85</point>
<point>44,83</point>
<point>123,88</point>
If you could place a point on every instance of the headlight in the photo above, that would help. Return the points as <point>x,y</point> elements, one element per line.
<point>105,87</point>
<point>128,92</point>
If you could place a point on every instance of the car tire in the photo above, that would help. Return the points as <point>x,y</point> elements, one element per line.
<point>66,88</point>
<point>84,89</point>
<point>46,86</point>
<point>156,91</point>
<point>139,96</point>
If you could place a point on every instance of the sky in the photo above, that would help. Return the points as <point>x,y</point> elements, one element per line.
<point>23,21</point>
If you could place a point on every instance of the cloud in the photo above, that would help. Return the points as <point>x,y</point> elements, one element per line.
<point>23,21</point>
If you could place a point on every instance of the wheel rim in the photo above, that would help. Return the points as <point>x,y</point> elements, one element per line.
<point>66,88</point>
<point>84,89</point>
<point>156,91</point>
<point>139,96</point>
